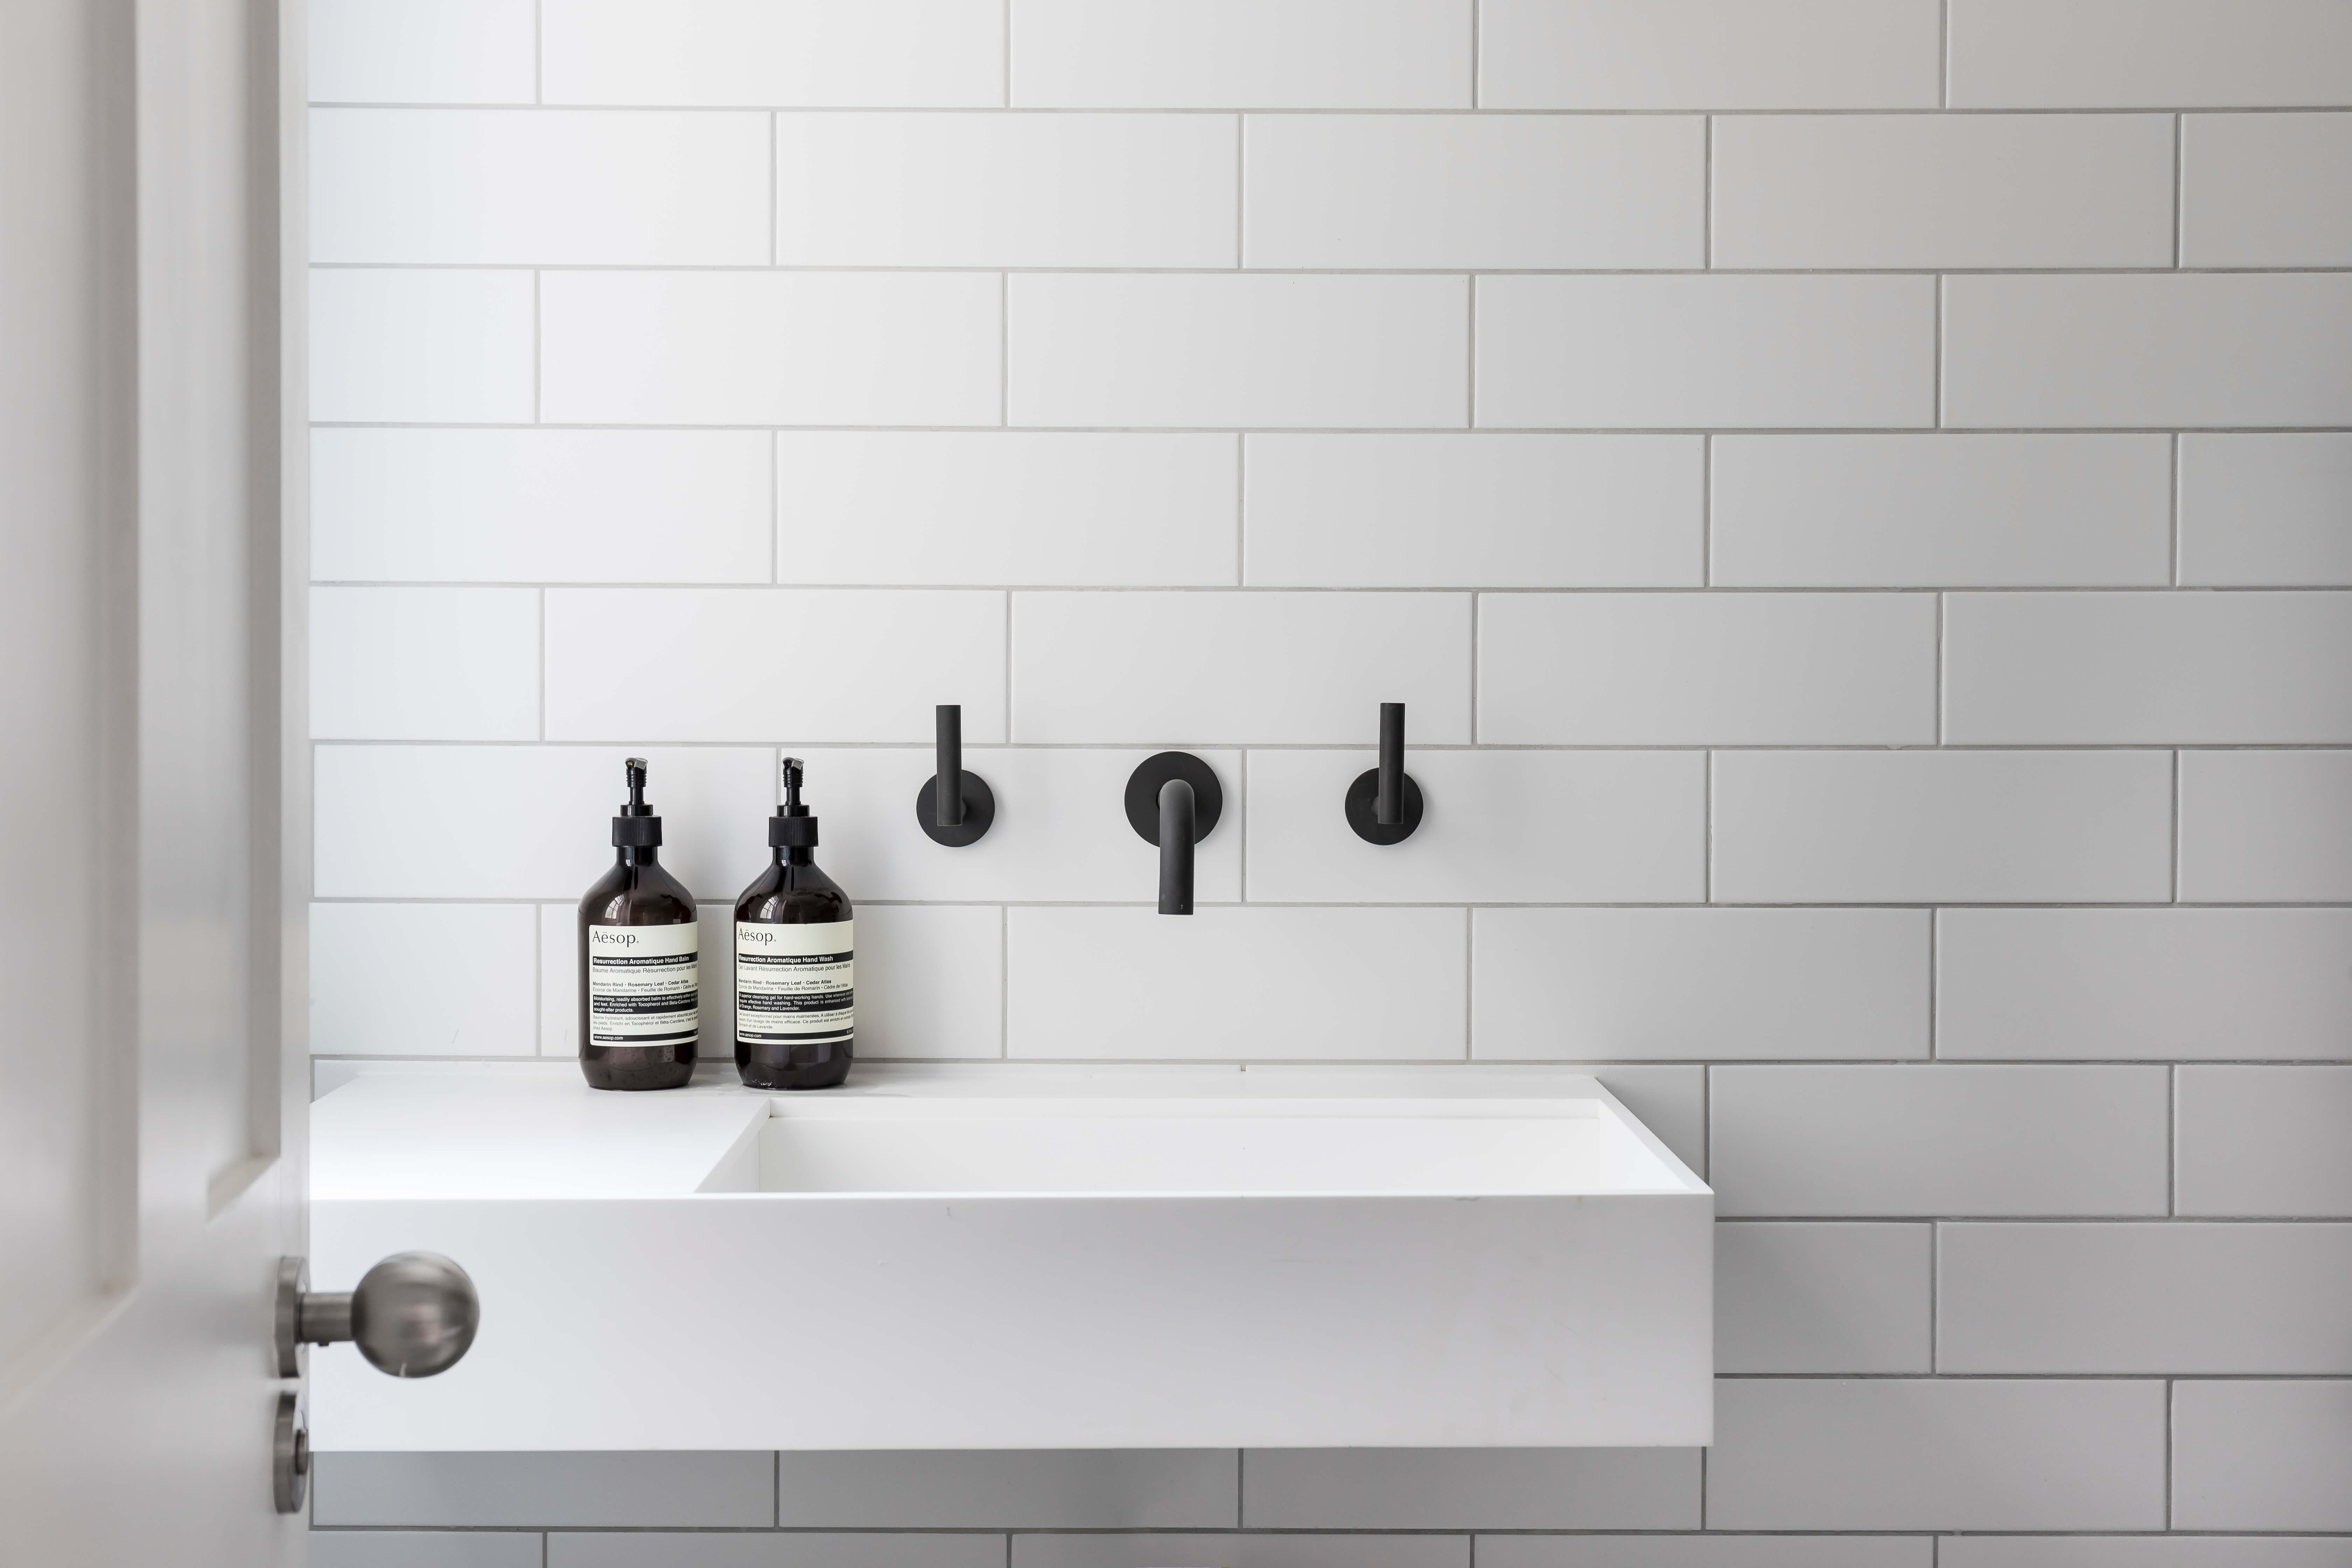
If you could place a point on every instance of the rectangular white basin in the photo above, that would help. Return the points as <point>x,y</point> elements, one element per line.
<point>1028,1257</point>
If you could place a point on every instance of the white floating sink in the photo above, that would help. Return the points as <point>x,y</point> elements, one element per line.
<point>1018,1256</point>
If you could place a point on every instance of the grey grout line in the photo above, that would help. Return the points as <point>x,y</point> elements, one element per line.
<point>2171,1393</point>
<point>1785,431</point>
<point>1938,372</point>
<point>1935,1299</point>
<point>775,202</point>
<point>1943,694</point>
<point>2180,187</point>
<point>1470,352</point>
<point>1706,194</point>
<point>1944,53</point>
<point>538,359</point>
<point>1454,269</point>
<point>543,664</point>
<point>2173,513</point>
<point>1003,983</point>
<point>2172,1140</point>
<point>1934,972</point>
<point>1475,629</point>
<point>1706,813</point>
<point>2176,827</point>
<point>775,510</point>
<point>1004,350</point>
<point>538,52</point>
<point>1469,985</point>
<point>1707,511</point>
<point>1241,510</point>
<point>1855,747</point>
<point>1622,590</point>
<point>2044,111</point>
<point>1477,47</point>
<point>1007,95</point>
<point>1241,191</point>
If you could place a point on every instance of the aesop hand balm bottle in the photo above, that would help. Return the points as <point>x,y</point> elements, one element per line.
<point>639,960</point>
<point>795,950</point>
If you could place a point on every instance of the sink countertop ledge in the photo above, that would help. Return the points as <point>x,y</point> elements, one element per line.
<point>1182,1256</point>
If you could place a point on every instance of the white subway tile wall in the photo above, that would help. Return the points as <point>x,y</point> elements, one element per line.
<point>1855,494</point>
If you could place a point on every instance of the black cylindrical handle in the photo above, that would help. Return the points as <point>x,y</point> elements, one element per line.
<point>947,796</point>
<point>1388,809</point>
<point>1176,847</point>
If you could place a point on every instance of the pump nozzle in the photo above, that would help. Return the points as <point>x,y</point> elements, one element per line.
<point>636,826</point>
<point>633,770</point>
<point>793,769</point>
<point>791,827</point>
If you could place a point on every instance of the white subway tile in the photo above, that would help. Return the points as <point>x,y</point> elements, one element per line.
<point>1939,1140</point>
<point>1172,349</point>
<point>437,979</point>
<point>2266,826</point>
<point>778,664</point>
<point>2266,190</point>
<point>421,51</point>
<point>425,664</point>
<point>425,1549</point>
<point>2265,1140</point>
<point>1238,668</point>
<point>1222,1551</point>
<point>1600,352</point>
<point>766,1549</point>
<point>2152,53</point>
<point>490,185</point>
<point>1893,511</point>
<point>1707,669</point>
<point>875,54</point>
<point>1708,54</point>
<point>506,1490</point>
<point>1937,1454</point>
<point>1009,1489</point>
<point>1504,826</point>
<point>2261,1456</point>
<point>931,981</point>
<point>1823,1297</point>
<point>559,980</point>
<point>2142,1552</point>
<point>1006,190</point>
<point>1474,191</point>
<point>1942,826</point>
<point>2266,510</point>
<point>2027,189</point>
<point>771,348</point>
<point>529,822</point>
<point>540,506</point>
<point>1242,54</point>
<point>1705,1550</point>
<point>1483,1488</point>
<point>1725,984</point>
<point>2134,669</point>
<point>1061,831</point>
<point>2142,348</point>
<point>1007,507</point>
<point>2133,985</point>
<point>2104,1299</point>
<point>1350,984</point>
<point>1470,511</point>
<point>420,347</point>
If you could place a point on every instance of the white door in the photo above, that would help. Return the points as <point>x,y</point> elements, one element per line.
<point>153,794</point>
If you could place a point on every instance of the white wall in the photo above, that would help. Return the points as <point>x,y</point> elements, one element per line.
<point>1856,494</point>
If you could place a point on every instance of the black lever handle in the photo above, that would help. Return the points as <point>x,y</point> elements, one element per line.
<point>947,764</point>
<point>1383,805</point>
<point>954,808</point>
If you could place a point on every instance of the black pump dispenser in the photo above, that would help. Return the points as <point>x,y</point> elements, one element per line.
<point>638,826</point>
<point>791,827</point>
<point>795,952</point>
<point>640,960</point>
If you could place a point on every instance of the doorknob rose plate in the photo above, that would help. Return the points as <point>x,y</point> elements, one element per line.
<point>978,810</point>
<point>1143,793</point>
<point>1363,806</point>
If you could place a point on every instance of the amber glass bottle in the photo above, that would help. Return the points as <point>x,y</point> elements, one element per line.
<point>639,960</point>
<point>795,957</point>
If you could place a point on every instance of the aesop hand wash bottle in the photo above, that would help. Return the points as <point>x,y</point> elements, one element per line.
<point>639,960</point>
<point>795,952</point>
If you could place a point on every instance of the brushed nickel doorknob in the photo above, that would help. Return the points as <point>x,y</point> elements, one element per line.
<point>412,1315</point>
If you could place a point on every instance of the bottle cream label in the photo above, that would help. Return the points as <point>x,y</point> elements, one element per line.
<point>793,983</point>
<point>643,984</point>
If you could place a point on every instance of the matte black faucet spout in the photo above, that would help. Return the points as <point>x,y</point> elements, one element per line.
<point>1175,847</point>
<point>1173,800</point>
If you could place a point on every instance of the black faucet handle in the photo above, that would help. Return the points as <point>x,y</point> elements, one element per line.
<point>954,808</point>
<point>1383,805</point>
